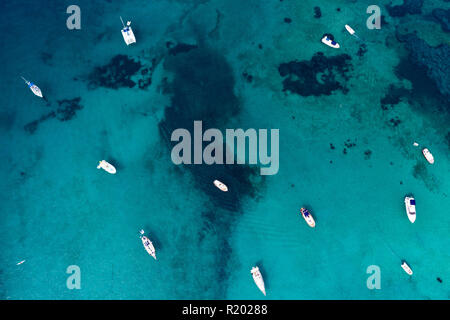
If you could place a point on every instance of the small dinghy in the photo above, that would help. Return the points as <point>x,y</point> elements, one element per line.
<point>127,33</point>
<point>406,268</point>
<point>34,88</point>
<point>410,204</point>
<point>148,245</point>
<point>19,263</point>
<point>308,217</point>
<point>331,43</point>
<point>108,167</point>
<point>257,277</point>
<point>349,29</point>
<point>427,154</point>
<point>220,185</point>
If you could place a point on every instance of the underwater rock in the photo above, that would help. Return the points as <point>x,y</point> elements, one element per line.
<point>395,121</point>
<point>287,20</point>
<point>302,76</point>
<point>317,12</point>
<point>435,59</point>
<point>33,125</point>
<point>67,108</point>
<point>247,77</point>
<point>393,96</point>
<point>362,50</point>
<point>443,18</point>
<point>182,48</point>
<point>367,154</point>
<point>203,88</point>
<point>115,74</point>
<point>408,7</point>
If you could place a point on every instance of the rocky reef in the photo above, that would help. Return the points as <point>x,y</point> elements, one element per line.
<point>66,110</point>
<point>442,16</point>
<point>301,77</point>
<point>408,7</point>
<point>436,60</point>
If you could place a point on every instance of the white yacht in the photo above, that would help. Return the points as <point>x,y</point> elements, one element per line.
<point>308,217</point>
<point>34,88</point>
<point>257,277</point>
<point>406,268</point>
<point>148,245</point>
<point>220,185</point>
<point>108,167</point>
<point>427,154</point>
<point>127,33</point>
<point>330,43</point>
<point>410,204</point>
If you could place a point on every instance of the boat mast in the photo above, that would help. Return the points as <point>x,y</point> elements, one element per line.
<point>122,22</point>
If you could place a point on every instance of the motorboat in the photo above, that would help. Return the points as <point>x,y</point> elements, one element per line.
<point>410,204</point>
<point>406,267</point>
<point>220,185</point>
<point>19,263</point>
<point>331,43</point>
<point>257,277</point>
<point>108,167</point>
<point>127,33</point>
<point>148,245</point>
<point>308,217</point>
<point>34,88</point>
<point>427,154</point>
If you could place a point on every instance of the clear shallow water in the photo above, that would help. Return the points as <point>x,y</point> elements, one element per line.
<point>59,210</point>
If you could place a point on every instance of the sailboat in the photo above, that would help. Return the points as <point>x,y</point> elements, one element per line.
<point>257,277</point>
<point>34,88</point>
<point>127,33</point>
<point>148,245</point>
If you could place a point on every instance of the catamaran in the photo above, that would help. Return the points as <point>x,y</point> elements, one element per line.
<point>427,154</point>
<point>108,167</point>
<point>34,88</point>
<point>220,185</point>
<point>127,33</point>
<point>406,268</point>
<point>148,245</point>
<point>410,204</point>
<point>330,43</point>
<point>257,277</point>
<point>308,217</point>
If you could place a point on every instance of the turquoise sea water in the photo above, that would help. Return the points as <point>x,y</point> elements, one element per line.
<point>342,155</point>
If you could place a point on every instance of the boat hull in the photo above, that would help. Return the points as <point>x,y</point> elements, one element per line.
<point>427,154</point>
<point>220,185</point>
<point>329,43</point>
<point>107,167</point>
<point>410,209</point>
<point>309,219</point>
<point>259,281</point>
<point>148,245</point>
<point>406,268</point>
<point>128,35</point>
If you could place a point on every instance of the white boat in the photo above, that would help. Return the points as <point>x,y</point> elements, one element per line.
<point>127,33</point>
<point>257,277</point>
<point>415,144</point>
<point>406,268</point>
<point>148,245</point>
<point>349,29</point>
<point>34,88</point>
<point>410,204</point>
<point>427,154</point>
<point>108,167</point>
<point>308,217</point>
<point>220,185</point>
<point>19,263</point>
<point>330,43</point>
